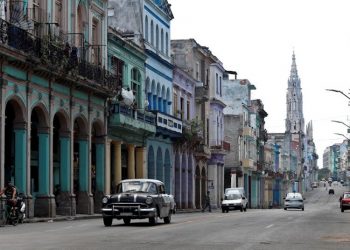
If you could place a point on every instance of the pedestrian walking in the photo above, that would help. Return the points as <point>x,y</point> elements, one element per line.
<point>207,202</point>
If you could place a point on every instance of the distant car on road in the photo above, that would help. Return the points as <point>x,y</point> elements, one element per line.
<point>138,199</point>
<point>294,200</point>
<point>234,201</point>
<point>331,191</point>
<point>314,185</point>
<point>345,201</point>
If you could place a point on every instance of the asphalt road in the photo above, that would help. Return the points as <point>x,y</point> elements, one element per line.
<point>320,226</point>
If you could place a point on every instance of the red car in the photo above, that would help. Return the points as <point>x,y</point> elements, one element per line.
<point>345,201</point>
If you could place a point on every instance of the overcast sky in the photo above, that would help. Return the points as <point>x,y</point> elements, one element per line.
<point>256,38</point>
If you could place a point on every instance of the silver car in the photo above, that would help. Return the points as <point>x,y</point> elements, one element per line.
<point>294,200</point>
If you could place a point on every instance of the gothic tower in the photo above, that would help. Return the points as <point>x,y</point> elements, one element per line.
<point>295,117</point>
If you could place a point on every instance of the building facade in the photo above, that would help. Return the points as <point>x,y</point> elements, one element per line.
<point>53,103</point>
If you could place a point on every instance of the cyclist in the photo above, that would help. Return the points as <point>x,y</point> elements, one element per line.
<point>10,192</point>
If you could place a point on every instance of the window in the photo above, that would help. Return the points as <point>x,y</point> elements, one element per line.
<point>152,33</point>
<point>217,83</point>
<point>197,71</point>
<point>146,28</point>
<point>96,46</point>
<point>182,108</point>
<point>157,37</point>
<point>136,84</point>
<point>175,104</point>
<point>58,12</point>
<point>117,69</point>
<point>162,41</point>
<point>220,86</point>
<point>167,44</point>
<point>188,110</point>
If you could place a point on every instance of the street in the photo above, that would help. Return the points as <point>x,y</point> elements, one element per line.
<point>320,226</point>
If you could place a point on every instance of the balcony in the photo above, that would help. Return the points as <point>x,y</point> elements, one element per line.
<point>168,125</point>
<point>125,119</point>
<point>201,93</point>
<point>202,152</point>
<point>53,57</point>
<point>248,163</point>
<point>248,131</point>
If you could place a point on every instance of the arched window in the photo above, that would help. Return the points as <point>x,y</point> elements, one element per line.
<point>136,85</point>
<point>162,41</point>
<point>157,37</point>
<point>152,33</point>
<point>167,44</point>
<point>146,28</point>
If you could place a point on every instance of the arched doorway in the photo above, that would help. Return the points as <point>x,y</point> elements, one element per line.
<point>81,171</point>
<point>40,162</point>
<point>190,181</point>
<point>151,167</point>
<point>184,181</point>
<point>160,167</point>
<point>97,164</point>
<point>15,146</point>
<point>65,204</point>
<point>198,188</point>
<point>203,184</point>
<point>177,179</point>
<point>167,172</point>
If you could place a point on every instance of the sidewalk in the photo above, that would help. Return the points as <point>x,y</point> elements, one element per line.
<point>88,216</point>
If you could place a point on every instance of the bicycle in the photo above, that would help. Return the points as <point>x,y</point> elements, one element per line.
<point>8,216</point>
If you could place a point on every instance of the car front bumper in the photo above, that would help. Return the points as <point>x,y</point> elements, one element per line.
<point>132,212</point>
<point>231,206</point>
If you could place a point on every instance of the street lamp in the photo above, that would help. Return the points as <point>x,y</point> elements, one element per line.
<point>342,135</point>
<point>343,124</point>
<point>338,91</point>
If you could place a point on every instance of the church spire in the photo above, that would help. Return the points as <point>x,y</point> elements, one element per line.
<point>294,78</point>
<point>295,117</point>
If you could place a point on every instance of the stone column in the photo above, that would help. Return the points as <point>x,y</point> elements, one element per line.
<point>131,161</point>
<point>107,187</point>
<point>117,164</point>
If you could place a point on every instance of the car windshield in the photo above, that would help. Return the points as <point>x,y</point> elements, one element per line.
<point>137,186</point>
<point>232,196</point>
<point>294,195</point>
<point>347,196</point>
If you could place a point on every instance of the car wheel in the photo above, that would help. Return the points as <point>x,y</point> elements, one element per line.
<point>342,210</point>
<point>223,210</point>
<point>285,208</point>
<point>245,209</point>
<point>167,220</point>
<point>126,221</point>
<point>241,209</point>
<point>107,221</point>
<point>153,220</point>
<point>302,209</point>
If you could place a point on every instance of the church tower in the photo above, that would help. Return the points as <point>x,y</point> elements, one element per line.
<point>295,117</point>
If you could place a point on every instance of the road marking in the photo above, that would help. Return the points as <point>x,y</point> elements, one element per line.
<point>269,226</point>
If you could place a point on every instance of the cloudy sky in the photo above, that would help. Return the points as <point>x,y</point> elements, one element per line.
<point>256,38</point>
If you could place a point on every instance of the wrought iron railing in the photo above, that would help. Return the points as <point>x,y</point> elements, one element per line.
<point>57,56</point>
<point>146,117</point>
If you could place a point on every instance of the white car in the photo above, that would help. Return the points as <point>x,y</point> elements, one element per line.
<point>294,200</point>
<point>234,201</point>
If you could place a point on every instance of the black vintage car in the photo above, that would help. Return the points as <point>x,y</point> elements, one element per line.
<point>138,199</point>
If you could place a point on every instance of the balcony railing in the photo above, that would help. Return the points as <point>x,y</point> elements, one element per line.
<point>55,56</point>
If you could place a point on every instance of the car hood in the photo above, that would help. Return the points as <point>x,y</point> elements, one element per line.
<point>129,197</point>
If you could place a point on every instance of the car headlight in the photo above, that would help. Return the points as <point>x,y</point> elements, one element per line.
<point>105,200</point>
<point>149,200</point>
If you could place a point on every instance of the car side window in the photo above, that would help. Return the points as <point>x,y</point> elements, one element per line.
<point>161,189</point>
<point>152,188</point>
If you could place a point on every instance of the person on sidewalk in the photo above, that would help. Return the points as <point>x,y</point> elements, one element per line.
<point>207,202</point>
<point>11,195</point>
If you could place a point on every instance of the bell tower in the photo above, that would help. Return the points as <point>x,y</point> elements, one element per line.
<point>295,117</point>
